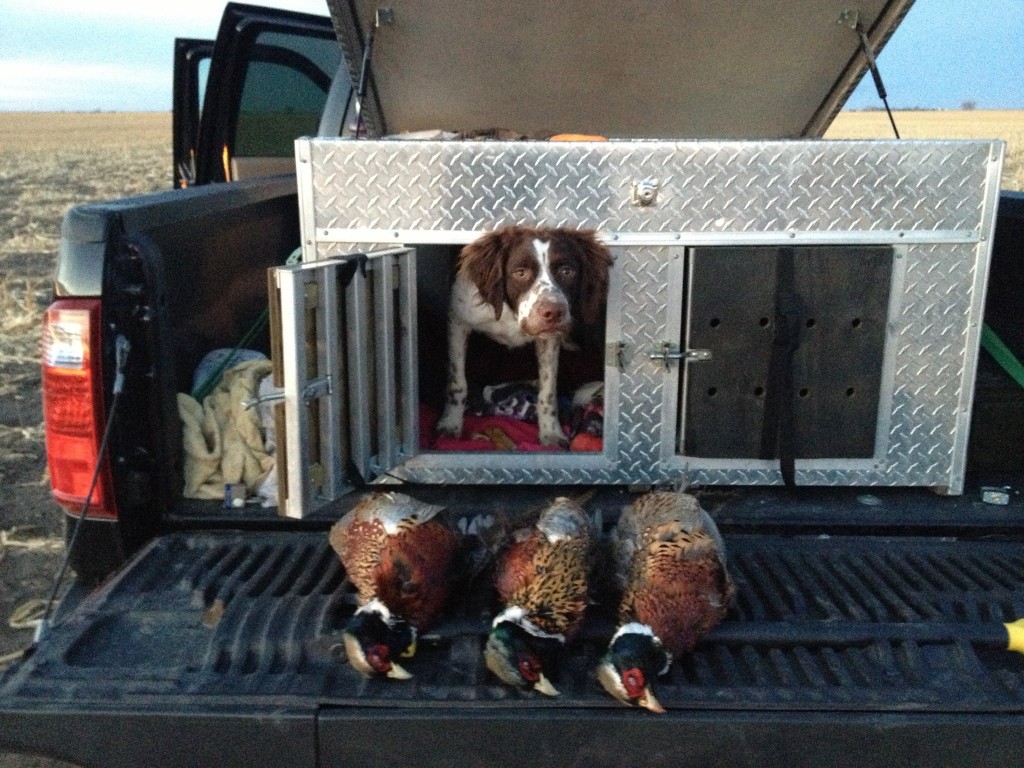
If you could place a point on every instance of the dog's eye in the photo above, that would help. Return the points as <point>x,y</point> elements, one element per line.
<point>521,273</point>
<point>567,272</point>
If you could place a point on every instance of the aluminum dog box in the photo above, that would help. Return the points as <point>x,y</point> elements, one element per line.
<point>810,298</point>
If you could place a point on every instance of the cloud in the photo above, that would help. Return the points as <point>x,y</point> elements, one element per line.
<point>179,13</point>
<point>52,85</point>
<point>101,54</point>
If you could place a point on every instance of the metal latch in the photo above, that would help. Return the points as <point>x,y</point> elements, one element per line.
<point>313,390</point>
<point>667,352</point>
<point>644,193</point>
<point>996,494</point>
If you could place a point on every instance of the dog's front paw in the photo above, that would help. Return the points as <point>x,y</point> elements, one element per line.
<point>554,436</point>
<point>450,423</point>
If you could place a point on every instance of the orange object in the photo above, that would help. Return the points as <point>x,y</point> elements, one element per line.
<point>500,440</point>
<point>585,441</point>
<point>576,137</point>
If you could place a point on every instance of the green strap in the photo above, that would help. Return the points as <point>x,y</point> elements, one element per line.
<point>1002,354</point>
<point>206,387</point>
<point>213,379</point>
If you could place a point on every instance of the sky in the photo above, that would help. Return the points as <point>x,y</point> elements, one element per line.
<point>116,55</point>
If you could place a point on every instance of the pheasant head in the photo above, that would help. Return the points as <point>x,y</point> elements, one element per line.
<point>518,652</point>
<point>374,639</point>
<point>635,656</point>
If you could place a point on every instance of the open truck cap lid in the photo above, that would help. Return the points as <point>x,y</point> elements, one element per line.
<point>666,69</point>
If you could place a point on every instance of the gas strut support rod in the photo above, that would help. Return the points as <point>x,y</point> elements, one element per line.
<point>381,17</point>
<point>851,18</point>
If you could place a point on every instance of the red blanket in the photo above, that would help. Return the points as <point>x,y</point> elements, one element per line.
<point>484,433</point>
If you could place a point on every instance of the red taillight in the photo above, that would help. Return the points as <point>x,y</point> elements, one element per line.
<point>73,405</point>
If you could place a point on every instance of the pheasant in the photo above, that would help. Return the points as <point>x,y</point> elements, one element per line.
<point>398,556</point>
<point>669,560</point>
<point>542,579</point>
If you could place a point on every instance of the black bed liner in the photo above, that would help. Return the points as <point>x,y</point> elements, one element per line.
<point>827,621</point>
<point>864,633</point>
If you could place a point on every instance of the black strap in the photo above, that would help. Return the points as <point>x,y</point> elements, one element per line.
<point>778,436</point>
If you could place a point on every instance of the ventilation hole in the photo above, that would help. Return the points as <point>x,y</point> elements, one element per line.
<point>758,391</point>
<point>763,322</point>
<point>715,322</point>
<point>804,392</point>
<point>811,322</point>
<point>855,323</point>
<point>850,391</point>
<point>712,391</point>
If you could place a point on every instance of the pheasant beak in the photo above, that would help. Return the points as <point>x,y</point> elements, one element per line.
<point>544,686</point>
<point>398,673</point>
<point>647,701</point>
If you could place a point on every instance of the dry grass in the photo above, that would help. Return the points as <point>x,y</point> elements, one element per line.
<point>1007,125</point>
<point>77,131</point>
<point>49,162</point>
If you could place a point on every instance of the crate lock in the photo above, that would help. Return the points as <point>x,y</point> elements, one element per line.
<point>644,193</point>
<point>667,352</point>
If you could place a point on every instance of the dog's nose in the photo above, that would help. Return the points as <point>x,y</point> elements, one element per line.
<point>551,312</point>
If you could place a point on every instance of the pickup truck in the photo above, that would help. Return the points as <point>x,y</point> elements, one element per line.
<point>869,625</point>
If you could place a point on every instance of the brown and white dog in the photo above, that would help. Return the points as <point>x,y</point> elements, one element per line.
<point>519,285</point>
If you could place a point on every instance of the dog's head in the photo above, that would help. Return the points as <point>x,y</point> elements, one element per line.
<point>549,277</point>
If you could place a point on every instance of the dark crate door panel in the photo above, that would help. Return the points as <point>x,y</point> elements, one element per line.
<point>839,303</point>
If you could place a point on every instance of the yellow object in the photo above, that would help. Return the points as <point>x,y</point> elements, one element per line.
<point>1016,632</point>
<point>576,137</point>
<point>409,652</point>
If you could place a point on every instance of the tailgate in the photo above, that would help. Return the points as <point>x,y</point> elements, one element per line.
<point>234,638</point>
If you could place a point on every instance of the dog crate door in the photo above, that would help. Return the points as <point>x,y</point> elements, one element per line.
<point>797,339</point>
<point>344,345</point>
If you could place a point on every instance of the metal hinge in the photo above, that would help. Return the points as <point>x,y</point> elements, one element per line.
<point>667,352</point>
<point>615,355</point>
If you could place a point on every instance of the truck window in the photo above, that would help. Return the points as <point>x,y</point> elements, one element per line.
<point>268,80</point>
<point>284,93</point>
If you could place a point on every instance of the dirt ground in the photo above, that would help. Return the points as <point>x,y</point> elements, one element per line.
<point>48,162</point>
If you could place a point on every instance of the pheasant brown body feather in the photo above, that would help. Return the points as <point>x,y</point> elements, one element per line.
<point>545,570</point>
<point>671,564</point>
<point>396,551</point>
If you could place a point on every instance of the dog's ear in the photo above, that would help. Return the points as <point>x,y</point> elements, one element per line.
<point>483,262</point>
<point>595,262</point>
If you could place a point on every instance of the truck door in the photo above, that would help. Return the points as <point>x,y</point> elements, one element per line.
<point>264,82</point>
<point>191,66</point>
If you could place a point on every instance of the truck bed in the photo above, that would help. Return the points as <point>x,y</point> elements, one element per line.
<point>896,629</point>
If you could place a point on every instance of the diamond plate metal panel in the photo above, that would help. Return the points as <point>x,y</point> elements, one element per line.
<point>704,187</point>
<point>647,292</point>
<point>930,358</point>
<point>933,200</point>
